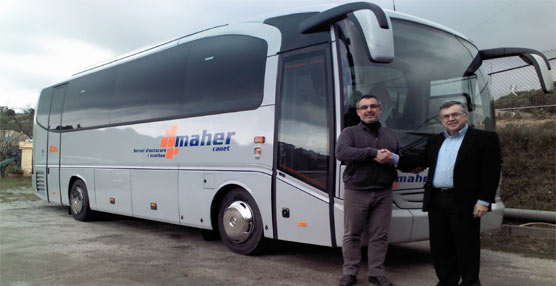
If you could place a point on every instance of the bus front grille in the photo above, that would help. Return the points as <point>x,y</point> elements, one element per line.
<point>409,199</point>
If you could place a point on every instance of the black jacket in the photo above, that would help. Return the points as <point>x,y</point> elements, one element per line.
<point>357,147</point>
<point>476,171</point>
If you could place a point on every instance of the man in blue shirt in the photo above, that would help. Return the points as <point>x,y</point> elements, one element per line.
<point>464,171</point>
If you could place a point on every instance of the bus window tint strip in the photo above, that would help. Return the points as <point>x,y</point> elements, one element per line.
<point>196,78</point>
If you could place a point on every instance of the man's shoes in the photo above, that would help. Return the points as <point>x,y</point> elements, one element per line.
<point>348,280</point>
<point>380,281</point>
<point>478,283</point>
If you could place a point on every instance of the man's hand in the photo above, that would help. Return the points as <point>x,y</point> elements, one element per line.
<point>416,170</point>
<point>384,156</point>
<point>479,210</point>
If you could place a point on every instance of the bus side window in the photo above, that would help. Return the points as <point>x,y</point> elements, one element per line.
<point>43,108</point>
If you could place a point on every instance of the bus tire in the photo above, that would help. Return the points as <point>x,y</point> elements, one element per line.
<point>240,223</point>
<point>79,201</point>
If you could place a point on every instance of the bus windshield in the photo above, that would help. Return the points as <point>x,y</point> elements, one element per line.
<point>430,67</point>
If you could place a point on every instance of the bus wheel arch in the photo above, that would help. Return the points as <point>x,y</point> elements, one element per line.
<point>238,220</point>
<point>79,200</point>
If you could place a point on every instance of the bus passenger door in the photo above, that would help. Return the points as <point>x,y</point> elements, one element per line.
<point>53,145</point>
<point>40,143</point>
<point>303,161</point>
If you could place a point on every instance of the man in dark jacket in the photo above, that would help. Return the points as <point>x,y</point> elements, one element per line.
<point>464,171</point>
<point>368,190</point>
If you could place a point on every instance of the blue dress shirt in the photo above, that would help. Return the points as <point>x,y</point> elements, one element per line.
<point>444,176</point>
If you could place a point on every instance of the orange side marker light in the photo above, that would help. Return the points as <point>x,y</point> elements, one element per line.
<point>302,224</point>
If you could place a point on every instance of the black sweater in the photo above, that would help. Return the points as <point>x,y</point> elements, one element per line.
<point>357,147</point>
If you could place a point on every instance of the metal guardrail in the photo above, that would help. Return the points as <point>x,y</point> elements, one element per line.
<point>544,216</point>
<point>524,107</point>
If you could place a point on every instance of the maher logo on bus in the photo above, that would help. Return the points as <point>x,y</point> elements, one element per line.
<point>172,142</point>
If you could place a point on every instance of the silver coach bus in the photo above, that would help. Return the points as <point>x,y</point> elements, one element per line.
<point>232,129</point>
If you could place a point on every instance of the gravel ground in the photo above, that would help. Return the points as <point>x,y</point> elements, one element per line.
<point>40,244</point>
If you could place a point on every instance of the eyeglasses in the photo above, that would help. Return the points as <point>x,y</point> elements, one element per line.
<point>454,115</point>
<point>372,106</point>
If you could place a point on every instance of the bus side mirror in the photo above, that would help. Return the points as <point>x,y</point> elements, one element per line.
<point>379,40</point>
<point>542,69</point>
<point>530,56</point>
<point>373,23</point>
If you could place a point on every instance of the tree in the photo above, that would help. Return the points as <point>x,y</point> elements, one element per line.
<point>20,122</point>
<point>14,128</point>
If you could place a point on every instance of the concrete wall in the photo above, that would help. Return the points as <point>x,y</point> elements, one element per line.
<point>26,157</point>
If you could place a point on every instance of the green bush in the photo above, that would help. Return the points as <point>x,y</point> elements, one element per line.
<point>540,114</point>
<point>529,166</point>
<point>14,169</point>
<point>527,98</point>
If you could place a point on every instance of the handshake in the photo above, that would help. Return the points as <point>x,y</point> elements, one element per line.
<point>384,156</point>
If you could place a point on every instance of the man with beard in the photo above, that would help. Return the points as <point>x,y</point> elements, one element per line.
<point>368,190</point>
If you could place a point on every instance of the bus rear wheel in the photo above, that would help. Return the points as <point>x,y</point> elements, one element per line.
<point>240,223</point>
<point>79,201</point>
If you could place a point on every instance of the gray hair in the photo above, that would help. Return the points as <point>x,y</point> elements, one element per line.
<point>451,103</point>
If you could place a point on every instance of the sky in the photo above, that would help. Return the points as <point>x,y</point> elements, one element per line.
<point>45,42</point>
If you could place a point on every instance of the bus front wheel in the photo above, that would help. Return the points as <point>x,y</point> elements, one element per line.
<point>239,222</point>
<point>79,201</point>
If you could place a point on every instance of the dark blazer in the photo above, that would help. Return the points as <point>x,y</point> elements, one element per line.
<point>476,172</point>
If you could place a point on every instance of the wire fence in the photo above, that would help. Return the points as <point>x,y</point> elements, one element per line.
<point>511,76</point>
